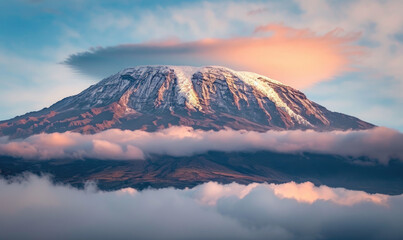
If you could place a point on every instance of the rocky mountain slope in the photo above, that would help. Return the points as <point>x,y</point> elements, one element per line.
<point>155,97</point>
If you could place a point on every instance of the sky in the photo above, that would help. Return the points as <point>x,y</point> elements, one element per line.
<point>344,55</point>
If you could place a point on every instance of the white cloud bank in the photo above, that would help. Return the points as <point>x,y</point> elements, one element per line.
<point>34,208</point>
<point>380,144</point>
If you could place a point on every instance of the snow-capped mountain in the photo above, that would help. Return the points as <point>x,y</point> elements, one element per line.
<point>154,97</point>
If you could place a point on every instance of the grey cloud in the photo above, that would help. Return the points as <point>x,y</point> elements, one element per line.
<point>105,61</point>
<point>36,209</point>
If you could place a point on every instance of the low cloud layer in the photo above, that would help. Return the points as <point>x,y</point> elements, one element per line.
<point>34,208</point>
<point>297,57</point>
<point>380,144</point>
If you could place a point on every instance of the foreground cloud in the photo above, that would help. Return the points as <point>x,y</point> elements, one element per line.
<point>36,209</point>
<point>380,144</point>
<point>296,57</point>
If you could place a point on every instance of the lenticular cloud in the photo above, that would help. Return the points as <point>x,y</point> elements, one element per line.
<point>380,144</point>
<point>292,55</point>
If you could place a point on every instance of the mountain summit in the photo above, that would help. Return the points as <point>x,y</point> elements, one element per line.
<point>155,97</point>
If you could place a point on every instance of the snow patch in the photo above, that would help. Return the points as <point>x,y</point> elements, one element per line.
<point>258,82</point>
<point>184,76</point>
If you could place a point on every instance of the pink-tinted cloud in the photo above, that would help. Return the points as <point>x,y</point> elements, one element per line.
<point>211,192</point>
<point>297,57</point>
<point>307,192</point>
<point>381,144</point>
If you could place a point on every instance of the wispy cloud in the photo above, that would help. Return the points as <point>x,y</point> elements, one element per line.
<point>380,144</point>
<point>207,211</point>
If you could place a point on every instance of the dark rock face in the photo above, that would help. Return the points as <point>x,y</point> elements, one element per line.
<point>155,97</point>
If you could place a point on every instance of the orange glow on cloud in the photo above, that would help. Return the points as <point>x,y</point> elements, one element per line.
<point>296,57</point>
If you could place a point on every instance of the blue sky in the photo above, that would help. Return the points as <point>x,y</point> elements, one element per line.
<point>38,36</point>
